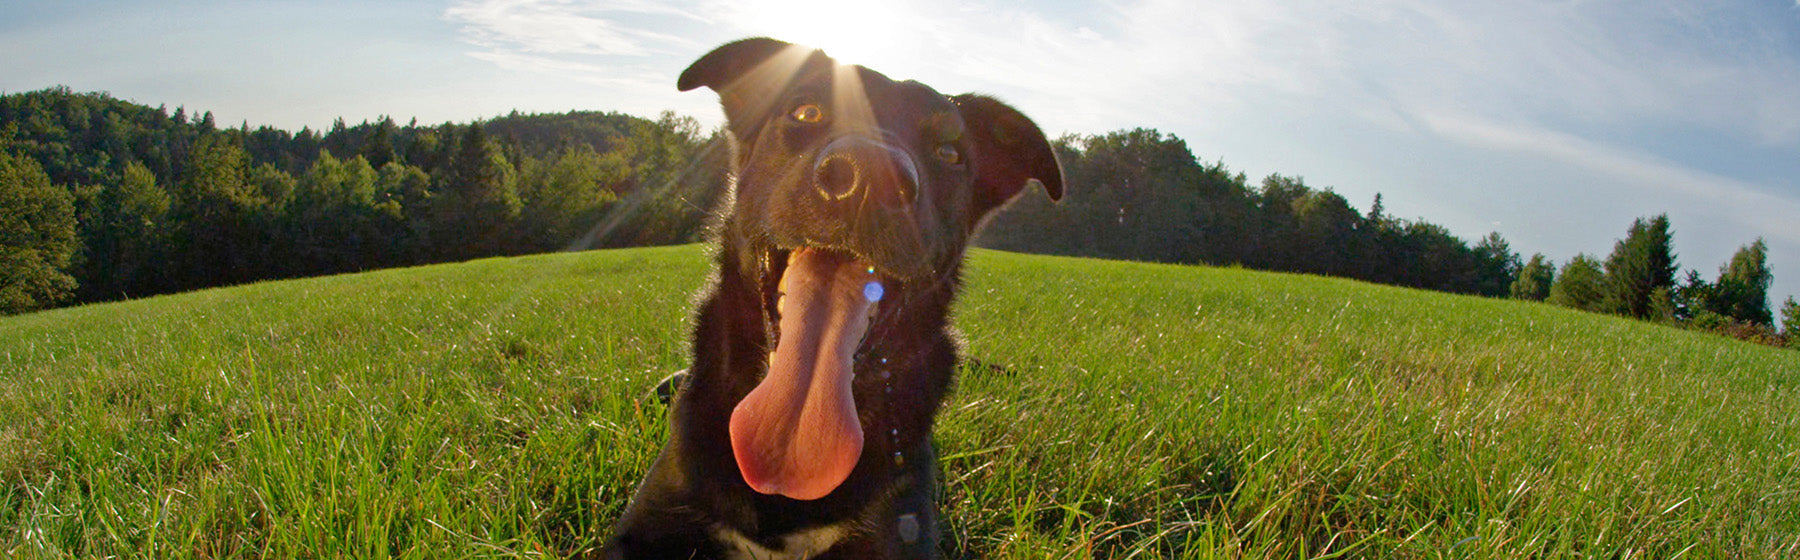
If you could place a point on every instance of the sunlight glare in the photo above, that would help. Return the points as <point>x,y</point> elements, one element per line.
<point>853,31</point>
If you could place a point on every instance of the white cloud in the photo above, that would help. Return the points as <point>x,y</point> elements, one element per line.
<point>563,26</point>
<point>1603,63</point>
<point>1720,196</point>
<point>574,70</point>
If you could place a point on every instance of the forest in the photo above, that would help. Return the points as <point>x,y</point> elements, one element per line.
<point>104,199</point>
<point>165,202</point>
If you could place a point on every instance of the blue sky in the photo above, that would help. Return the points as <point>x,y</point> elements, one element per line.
<point>1554,123</point>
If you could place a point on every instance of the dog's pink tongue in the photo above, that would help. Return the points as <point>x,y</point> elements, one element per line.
<point>796,434</point>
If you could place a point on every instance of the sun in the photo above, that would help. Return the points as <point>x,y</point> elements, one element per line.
<point>853,31</point>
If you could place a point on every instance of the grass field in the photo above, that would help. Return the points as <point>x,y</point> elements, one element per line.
<point>494,409</point>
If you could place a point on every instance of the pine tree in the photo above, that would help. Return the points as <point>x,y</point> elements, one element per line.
<point>378,148</point>
<point>477,203</point>
<point>1496,266</point>
<point>1640,264</point>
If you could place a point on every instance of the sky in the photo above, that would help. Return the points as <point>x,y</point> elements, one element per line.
<point>1553,123</point>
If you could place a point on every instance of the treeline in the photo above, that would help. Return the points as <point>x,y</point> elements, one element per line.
<point>1142,195</point>
<point>104,199</point>
<point>1639,280</point>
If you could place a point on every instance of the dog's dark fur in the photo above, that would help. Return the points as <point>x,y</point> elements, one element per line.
<point>910,220</point>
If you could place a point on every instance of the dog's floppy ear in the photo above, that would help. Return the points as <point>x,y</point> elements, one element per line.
<point>729,62</point>
<point>1010,151</point>
<point>751,76</point>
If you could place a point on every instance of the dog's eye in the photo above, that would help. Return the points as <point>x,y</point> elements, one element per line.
<point>948,153</point>
<point>809,113</point>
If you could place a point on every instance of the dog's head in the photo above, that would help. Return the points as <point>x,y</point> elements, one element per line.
<point>854,193</point>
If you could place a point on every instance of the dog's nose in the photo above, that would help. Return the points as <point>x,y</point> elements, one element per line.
<point>852,169</point>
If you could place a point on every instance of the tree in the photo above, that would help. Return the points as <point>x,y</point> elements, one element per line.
<point>1743,287</point>
<point>403,194</point>
<point>275,187</point>
<point>1790,322</point>
<point>1535,279</point>
<point>1223,222</point>
<point>1694,298</point>
<point>1152,206</point>
<point>566,198</point>
<point>223,220</point>
<point>334,223</point>
<point>125,230</point>
<point>1662,306</point>
<point>1277,241</point>
<point>477,201</point>
<point>1640,264</point>
<point>1580,286</point>
<point>1426,255</point>
<point>671,210</point>
<point>378,148</point>
<point>37,237</point>
<point>1496,266</point>
<point>1327,234</point>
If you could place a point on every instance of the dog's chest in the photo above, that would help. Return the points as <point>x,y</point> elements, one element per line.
<point>797,546</point>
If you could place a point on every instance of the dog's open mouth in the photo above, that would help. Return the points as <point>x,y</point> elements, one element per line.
<point>797,434</point>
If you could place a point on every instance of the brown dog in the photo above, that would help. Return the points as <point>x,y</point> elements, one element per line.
<point>822,351</point>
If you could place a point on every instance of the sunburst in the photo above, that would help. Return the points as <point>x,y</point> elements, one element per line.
<point>863,32</point>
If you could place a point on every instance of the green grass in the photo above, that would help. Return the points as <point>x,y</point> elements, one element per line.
<point>494,409</point>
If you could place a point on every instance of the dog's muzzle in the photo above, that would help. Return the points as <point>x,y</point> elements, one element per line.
<point>855,171</point>
<point>860,195</point>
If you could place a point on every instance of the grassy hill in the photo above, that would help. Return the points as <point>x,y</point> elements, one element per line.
<point>494,409</point>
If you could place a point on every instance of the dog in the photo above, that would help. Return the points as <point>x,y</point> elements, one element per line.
<point>822,349</point>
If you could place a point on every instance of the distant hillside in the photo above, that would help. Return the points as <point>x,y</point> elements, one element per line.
<point>1126,410</point>
<point>88,138</point>
<point>167,202</point>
